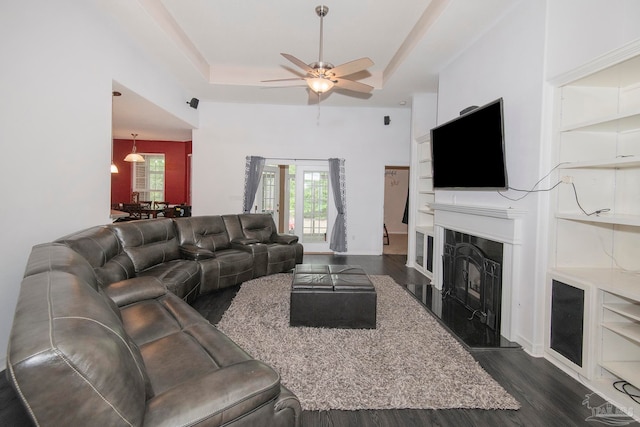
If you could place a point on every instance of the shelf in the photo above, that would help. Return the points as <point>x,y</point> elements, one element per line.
<point>604,387</point>
<point>623,122</point>
<point>632,311</point>
<point>599,117</point>
<point>425,229</point>
<point>620,162</point>
<point>617,282</point>
<point>630,331</point>
<point>604,218</point>
<point>423,138</point>
<point>630,371</point>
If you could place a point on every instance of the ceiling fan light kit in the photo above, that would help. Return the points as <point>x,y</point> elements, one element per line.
<point>322,76</point>
<point>320,85</point>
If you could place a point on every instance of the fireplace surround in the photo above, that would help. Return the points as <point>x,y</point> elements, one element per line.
<point>501,225</point>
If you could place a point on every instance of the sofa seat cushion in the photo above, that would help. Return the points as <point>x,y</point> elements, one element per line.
<point>182,277</point>
<point>228,268</point>
<point>152,319</point>
<point>187,355</point>
<point>248,392</point>
<point>181,349</point>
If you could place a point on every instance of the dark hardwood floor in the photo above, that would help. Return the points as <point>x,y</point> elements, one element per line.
<point>548,396</point>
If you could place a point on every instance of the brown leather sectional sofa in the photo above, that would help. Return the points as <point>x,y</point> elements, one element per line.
<point>103,333</point>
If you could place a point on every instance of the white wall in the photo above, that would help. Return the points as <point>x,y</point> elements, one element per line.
<point>230,132</point>
<point>507,62</point>
<point>535,41</point>
<point>582,30</point>
<point>58,63</point>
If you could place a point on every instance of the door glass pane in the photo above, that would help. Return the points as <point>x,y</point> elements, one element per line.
<point>268,192</point>
<point>292,198</point>
<point>316,191</point>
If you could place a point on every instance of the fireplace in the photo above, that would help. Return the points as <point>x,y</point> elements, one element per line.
<point>472,275</point>
<point>498,233</point>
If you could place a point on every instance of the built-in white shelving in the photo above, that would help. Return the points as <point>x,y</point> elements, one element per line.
<point>598,153</point>
<point>421,251</point>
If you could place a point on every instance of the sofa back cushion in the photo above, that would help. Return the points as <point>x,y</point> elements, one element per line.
<point>206,232</point>
<point>69,357</point>
<point>257,226</point>
<point>100,246</point>
<point>58,257</point>
<point>148,242</point>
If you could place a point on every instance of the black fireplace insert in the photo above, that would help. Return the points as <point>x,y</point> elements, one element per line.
<point>473,275</point>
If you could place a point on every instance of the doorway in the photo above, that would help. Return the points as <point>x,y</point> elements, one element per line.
<point>396,192</point>
<point>298,197</point>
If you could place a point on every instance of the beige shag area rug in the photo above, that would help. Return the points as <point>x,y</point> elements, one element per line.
<point>408,361</point>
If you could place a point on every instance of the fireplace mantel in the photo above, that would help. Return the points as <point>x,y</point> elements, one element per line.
<point>500,224</point>
<point>491,211</point>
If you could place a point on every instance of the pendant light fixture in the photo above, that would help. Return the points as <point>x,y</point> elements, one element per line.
<point>133,156</point>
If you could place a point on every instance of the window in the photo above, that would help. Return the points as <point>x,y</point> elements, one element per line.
<point>269,191</point>
<point>148,178</point>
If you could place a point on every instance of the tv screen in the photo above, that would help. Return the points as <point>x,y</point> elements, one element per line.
<point>467,153</point>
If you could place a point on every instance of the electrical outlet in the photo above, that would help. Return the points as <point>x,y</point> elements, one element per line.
<point>567,179</point>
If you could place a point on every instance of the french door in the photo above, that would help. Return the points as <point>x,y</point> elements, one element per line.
<point>314,210</point>
<point>268,193</point>
<point>306,204</point>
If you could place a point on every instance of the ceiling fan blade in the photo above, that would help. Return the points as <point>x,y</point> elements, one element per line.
<point>353,86</point>
<point>352,67</point>
<point>298,62</point>
<point>282,80</point>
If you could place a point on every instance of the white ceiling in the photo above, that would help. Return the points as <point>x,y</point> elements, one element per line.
<point>221,50</point>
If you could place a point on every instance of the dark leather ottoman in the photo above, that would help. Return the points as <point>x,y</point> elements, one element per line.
<point>332,296</point>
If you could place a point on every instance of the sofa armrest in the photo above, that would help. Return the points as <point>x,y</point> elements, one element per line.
<point>195,253</point>
<point>136,289</point>
<point>244,242</point>
<point>285,239</point>
<point>216,398</point>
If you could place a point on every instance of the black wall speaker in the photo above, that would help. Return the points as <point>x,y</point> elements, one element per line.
<point>567,319</point>
<point>469,108</point>
<point>387,120</point>
<point>193,103</point>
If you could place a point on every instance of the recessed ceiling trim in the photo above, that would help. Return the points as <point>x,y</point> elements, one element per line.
<point>165,21</point>
<point>430,15</point>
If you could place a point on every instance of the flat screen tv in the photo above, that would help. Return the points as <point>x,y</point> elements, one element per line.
<point>467,153</point>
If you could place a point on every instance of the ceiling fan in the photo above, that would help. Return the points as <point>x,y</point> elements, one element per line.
<point>322,76</point>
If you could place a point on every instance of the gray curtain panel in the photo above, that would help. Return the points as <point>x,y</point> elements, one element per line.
<point>338,241</point>
<point>252,174</point>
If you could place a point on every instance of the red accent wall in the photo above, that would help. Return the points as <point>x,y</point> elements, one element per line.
<point>177,169</point>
